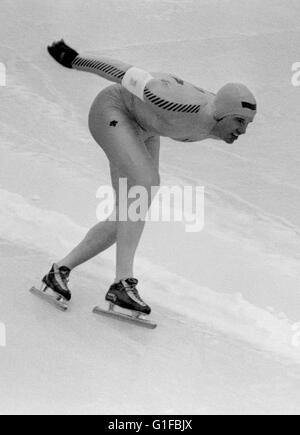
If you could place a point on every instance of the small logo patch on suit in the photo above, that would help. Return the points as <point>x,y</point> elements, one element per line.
<point>178,80</point>
<point>113,123</point>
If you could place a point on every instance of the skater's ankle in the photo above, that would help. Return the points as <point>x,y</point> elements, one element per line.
<point>64,266</point>
<point>122,278</point>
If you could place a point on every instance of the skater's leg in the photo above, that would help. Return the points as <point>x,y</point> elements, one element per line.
<point>120,139</point>
<point>99,238</point>
<point>153,147</point>
<point>104,234</point>
<point>129,233</point>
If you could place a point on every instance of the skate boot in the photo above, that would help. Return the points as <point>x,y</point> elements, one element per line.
<point>125,295</point>
<point>57,280</point>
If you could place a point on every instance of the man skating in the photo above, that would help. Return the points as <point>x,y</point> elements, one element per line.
<point>127,120</point>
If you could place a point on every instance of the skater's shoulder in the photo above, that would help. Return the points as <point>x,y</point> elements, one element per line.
<point>173,87</point>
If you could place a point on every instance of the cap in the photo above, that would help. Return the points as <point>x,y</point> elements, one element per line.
<point>235,99</point>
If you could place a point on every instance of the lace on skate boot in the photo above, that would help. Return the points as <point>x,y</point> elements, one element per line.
<point>65,274</point>
<point>129,286</point>
<point>57,280</point>
<point>125,295</point>
<point>54,288</point>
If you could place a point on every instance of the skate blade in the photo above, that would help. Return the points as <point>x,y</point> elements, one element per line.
<point>135,318</point>
<point>52,299</point>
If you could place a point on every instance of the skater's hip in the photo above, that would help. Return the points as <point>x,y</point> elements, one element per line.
<point>112,107</point>
<point>111,97</point>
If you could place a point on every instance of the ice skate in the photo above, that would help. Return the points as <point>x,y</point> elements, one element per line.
<point>55,287</point>
<point>124,295</point>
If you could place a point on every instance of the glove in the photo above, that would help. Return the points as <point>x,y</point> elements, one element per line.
<point>62,53</point>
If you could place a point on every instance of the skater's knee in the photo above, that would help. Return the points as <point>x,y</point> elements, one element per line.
<point>150,180</point>
<point>156,181</point>
<point>147,179</point>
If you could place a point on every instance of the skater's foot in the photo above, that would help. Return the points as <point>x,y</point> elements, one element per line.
<point>57,280</point>
<point>125,295</point>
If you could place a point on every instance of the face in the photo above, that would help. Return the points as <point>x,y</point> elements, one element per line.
<point>231,127</point>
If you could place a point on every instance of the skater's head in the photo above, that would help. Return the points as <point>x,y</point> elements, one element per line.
<point>231,127</point>
<point>235,108</point>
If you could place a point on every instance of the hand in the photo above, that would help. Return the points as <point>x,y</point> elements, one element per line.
<point>62,53</point>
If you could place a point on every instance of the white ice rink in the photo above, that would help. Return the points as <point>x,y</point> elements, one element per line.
<point>226,299</point>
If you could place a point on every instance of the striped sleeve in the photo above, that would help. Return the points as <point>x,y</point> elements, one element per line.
<point>109,69</point>
<point>168,104</point>
<point>170,94</point>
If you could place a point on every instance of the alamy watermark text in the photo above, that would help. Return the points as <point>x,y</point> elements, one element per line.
<point>296,75</point>
<point>168,204</point>
<point>2,74</point>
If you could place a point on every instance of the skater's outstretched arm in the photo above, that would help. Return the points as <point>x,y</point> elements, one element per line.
<point>106,67</point>
<point>165,94</point>
<point>110,69</point>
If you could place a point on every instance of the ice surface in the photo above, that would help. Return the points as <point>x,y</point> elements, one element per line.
<point>226,300</point>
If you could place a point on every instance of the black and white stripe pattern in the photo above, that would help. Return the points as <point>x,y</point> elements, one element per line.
<point>171,106</point>
<point>96,65</point>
